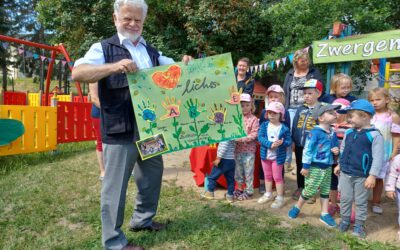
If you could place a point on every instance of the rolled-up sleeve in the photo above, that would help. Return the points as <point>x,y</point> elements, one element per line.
<point>163,60</point>
<point>94,56</point>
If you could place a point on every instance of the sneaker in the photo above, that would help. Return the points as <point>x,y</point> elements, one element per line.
<point>261,188</point>
<point>296,194</point>
<point>264,199</point>
<point>245,196</point>
<point>377,209</point>
<point>237,193</point>
<point>344,226</point>
<point>312,200</point>
<point>278,204</point>
<point>333,209</point>
<point>207,195</point>
<point>293,212</point>
<point>229,198</point>
<point>328,220</point>
<point>359,231</point>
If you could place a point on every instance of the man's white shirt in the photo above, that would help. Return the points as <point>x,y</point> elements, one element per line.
<point>95,55</point>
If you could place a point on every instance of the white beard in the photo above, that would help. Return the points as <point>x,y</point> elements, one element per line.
<point>130,36</point>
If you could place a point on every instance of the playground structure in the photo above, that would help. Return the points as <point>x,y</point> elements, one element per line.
<point>49,119</point>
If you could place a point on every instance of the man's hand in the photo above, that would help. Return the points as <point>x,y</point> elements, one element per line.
<point>370,182</point>
<point>125,66</point>
<point>336,170</point>
<point>335,150</point>
<point>186,59</point>
<point>391,194</point>
<point>304,172</point>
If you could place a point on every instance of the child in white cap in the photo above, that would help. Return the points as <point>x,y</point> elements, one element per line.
<point>245,150</point>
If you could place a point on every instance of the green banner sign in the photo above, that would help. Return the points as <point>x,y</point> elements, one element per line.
<point>359,47</point>
<point>182,106</point>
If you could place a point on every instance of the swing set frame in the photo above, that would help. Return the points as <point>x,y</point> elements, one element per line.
<point>55,50</point>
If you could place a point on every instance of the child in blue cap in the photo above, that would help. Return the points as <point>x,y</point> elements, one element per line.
<point>361,158</point>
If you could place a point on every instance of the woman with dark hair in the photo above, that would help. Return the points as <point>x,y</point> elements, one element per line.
<point>244,79</point>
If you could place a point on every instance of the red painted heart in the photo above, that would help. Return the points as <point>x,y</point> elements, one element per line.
<point>167,79</point>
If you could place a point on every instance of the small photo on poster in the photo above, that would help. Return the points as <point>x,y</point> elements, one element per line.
<point>152,146</point>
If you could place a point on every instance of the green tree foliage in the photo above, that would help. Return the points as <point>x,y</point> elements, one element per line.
<point>175,27</point>
<point>297,23</point>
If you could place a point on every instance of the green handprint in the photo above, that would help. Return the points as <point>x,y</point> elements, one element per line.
<point>192,108</point>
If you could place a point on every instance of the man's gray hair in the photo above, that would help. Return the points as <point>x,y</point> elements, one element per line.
<point>136,3</point>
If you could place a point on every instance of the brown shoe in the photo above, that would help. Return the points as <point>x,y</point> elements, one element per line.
<point>132,247</point>
<point>154,227</point>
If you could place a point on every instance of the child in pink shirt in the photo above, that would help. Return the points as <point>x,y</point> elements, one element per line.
<point>245,150</point>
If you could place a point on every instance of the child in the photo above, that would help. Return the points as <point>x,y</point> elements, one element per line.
<point>340,128</point>
<point>302,124</point>
<point>320,146</point>
<point>341,86</point>
<point>360,164</point>
<point>224,164</point>
<point>275,93</point>
<point>245,150</point>
<point>392,185</point>
<point>387,122</point>
<point>274,138</point>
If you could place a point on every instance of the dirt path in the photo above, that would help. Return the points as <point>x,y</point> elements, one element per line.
<point>379,227</point>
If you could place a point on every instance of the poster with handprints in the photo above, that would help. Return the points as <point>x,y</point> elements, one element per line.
<point>191,105</point>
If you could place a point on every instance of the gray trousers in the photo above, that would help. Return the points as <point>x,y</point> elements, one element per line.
<point>119,161</point>
<point>352,189</point>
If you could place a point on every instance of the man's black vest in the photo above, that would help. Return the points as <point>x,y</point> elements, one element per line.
<point>117,117</point>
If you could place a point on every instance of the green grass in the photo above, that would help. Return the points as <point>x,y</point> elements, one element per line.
<point>52,202</point>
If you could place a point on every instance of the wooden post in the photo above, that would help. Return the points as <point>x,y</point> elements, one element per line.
<point>1,96</point>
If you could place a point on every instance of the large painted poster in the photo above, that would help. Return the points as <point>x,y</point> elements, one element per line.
<point>185,106</point>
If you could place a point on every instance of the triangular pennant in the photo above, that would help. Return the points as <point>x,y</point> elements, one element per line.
<point>35,56</point>
<point>42,58</point>
<point>306,49</point>
<point>265,66</point>
<point>71,64</point>
<point>284,61</point>
<point>5,45</point>
<point>251,69</point>
<point>272,64</point>
<point>291,58</point>
<point>50,60</point>
<point>278,61</point>
<point>20,51</point>
<point>29,54</point>
<point>63,62</point>
<point>260,67</point>
<point>56,61</point>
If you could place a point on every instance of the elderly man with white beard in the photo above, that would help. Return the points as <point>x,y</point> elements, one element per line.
<point>107,63</point>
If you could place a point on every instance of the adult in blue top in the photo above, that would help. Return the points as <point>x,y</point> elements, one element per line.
<point>244,79</point>
<point>107,62</point>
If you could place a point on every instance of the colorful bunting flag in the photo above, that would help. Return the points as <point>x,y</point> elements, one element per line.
<point>42,58</point>
<point>265,66</point>
<point>20,51</point>
<point>63,62</point>
<point>291,57</point>
<point>284,61</point>
<point>272,64</point>
<point>278,61</point>
<point>35,56</point>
